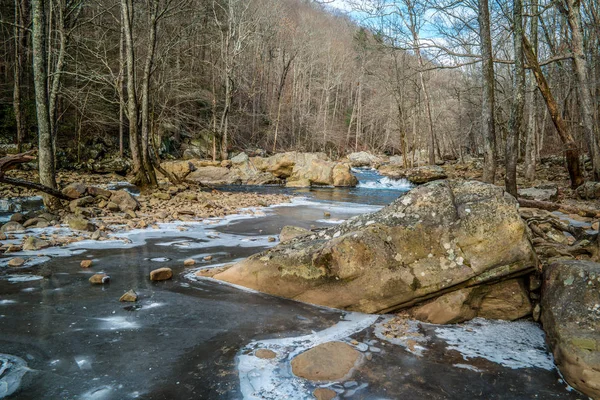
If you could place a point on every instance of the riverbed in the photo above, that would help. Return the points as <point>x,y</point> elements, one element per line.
<point>193,338</point>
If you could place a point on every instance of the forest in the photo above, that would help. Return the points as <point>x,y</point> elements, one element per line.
<point>159,79</point>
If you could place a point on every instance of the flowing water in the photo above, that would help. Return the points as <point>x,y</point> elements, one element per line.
<point>191,338</point>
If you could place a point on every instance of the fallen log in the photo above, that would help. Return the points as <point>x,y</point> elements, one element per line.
<point>10,162</point>
<point>550,206</point>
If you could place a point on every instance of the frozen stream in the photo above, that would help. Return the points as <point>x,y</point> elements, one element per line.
<point>61,338</point>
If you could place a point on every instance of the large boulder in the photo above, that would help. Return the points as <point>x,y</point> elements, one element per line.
<point>571,318</point>
<point>282,165</point>
<point>363,159</point>
<point>438,238</point>
<point>418,175</point>
<point>322,173</point>
<point>548,192</point>
<point>589,190</point>
<point>180,169</point>
<point>214,176</point>
<point>124,200</point>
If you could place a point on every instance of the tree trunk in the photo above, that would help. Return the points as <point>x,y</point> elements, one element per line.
<point>19,50</point>
<point>516,117</point>
<point>531,143</point>
<point>571,150</point>
<point>573,13</point>
<point>145,106</point>
<point>40,80</point>
<point>488,123</point>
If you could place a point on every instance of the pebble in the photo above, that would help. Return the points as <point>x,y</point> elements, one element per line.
<point>16,262</point>
<point>130,296</point>
<point>99,279</point>
<point>208,258</point>
<point>86,263</point>
<point>161,274</point>
<point>189,262</point>
<point>265,353</point>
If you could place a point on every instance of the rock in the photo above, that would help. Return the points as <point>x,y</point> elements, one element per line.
<point>98,192</point>
<point>85,263</point>
<point>17,217</point>
<point>33,244</point>
<point>99,279</point>
<point>80,224</point>
<point>589,190</point>
<point>324,394</point>
<point>130,296</point>
<point>80,202</point>
<point>161,195</point>
<point>342,176</point>
<point>265,353</point>
<point>330,361</point>
<point>363,159</point>
<point>113,206</point>
<point>32,222</point>
<point>189,262</point>
<point>239,159</point>
<point>116,165</point>
<point>271,239</point>
<point>130,213</point>
<point>541,193</point>
<point>74,190</point>
<point>13,227</point>
<point>180,169</point>
<point>416,175</point>
<point>507,300</point>
<point>161,274</point>
<point>207,258</point>
<point>321,172</point>
<point>98,234</point>
<point>214,176</point>
<point>436,237</point>
<point>2,236</point>
<point>571,318</point>
<point>124,200</point>
<point>289,232</point>
<point>16,262</point>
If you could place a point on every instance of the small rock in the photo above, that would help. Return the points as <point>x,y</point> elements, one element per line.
<point>324,394</point>
<point>189,262</point>
<point>131,213</point>
<point>130,296</point>
<point>16,262</point>
<point>80,224</point>
<point>271,239</point>
<point>99,279</point>
<point>327,214</point>
<point>12,226</point>
<point>113,206</point>
<point>86,263</point>
<point>17,217</point>
<point>32,244</point>
<point>2,236</point>
<point>161,274</point>
<point>265,353</point>
<point>596,226</point>
<point>96,191</point>
<point>207,258</point>
<point>161,195</point>
<point>74,190</point>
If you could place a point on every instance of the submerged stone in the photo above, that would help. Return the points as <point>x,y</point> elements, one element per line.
<point>161,274</point>
<point>326,362</point>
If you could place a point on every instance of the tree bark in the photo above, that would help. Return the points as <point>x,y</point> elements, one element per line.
<point>531,143</point>
<point>571,149</point>
<point>488,101</point>
<point>516,117</point>
<point>18,68</point>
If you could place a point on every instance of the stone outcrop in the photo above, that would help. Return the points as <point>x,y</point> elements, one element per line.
<point>298,169</point>
<point>418,175</point>
<point>589,190</point>
<point>363,159</point>
<point>571,318</point>
<point>438,238</point>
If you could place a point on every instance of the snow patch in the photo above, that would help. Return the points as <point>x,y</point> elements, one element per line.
<point>513,345</point>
